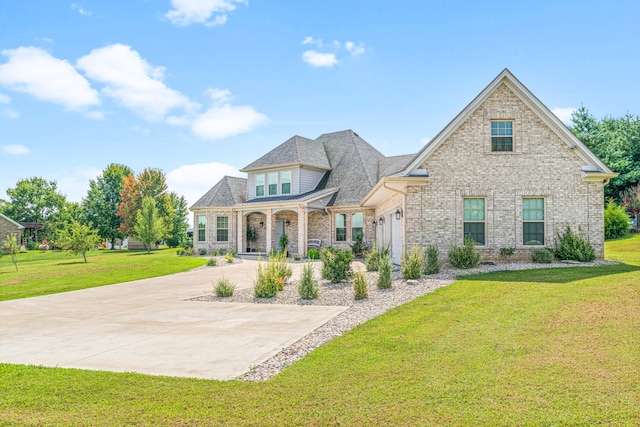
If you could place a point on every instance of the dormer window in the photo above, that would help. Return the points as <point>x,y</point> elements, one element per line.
<point>259,185</point>
<point>285,178</point>
<point>501,135</point>
<point>273,183</point>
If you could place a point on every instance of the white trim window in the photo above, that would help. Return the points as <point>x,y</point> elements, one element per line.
<point>501,135</point>
<point>341,227</point>
<point>273,183</point>
<point>285,178</point>
<point>532,221</point>
<point>260,185</point>
<point>202,228</point>
<point>222,229</point>
<point>357,222</point>
<point>474,219</point>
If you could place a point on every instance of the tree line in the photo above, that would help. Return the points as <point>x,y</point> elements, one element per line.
<point>118,204</point>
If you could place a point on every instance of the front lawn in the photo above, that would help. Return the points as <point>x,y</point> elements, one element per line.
<point>50,272</point>
<point>541,347</point>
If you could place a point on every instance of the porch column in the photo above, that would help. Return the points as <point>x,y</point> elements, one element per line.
<point>303,229</point>
<point>268,226</point>
<point>239,230</point>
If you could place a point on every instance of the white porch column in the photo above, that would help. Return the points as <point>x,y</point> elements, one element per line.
<point>239,229</point>
<point>303,229</point>
<point>268,224</point>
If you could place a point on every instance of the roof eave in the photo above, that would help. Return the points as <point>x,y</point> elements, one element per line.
<point>284,165</point>
<point>382,186</point>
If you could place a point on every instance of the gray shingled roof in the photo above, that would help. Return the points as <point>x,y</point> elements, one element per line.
<point>295,150</point>
<point>229,191</point>
<point>354,165</point>
<point>390,165</point>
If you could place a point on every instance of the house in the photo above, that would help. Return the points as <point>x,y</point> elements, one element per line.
<point>505,172</point>
<point>8,227</point>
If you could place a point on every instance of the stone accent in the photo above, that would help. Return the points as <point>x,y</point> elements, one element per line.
<point>7,228</point>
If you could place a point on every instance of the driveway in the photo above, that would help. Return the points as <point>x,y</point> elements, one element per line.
<point>149,326</point>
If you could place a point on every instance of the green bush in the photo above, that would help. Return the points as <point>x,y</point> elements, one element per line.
<point>211,262</point>
<point>32,246</point>
<point>384,278</point>
<point>616,221</point>
<point>313,254</point>
<point>412,263</point>
<point>189,252</point>
<point>278,266</point>
<point>224,288</point>
<point>308,288</point>
<point>180,251</point>
<point>336,265</point>
<point>465,256</point>
<point>229,257</point>
<point>572,246</point>
<point>507,252</point>
<point>358,248</point>
<point>372,259</point>
<point>202,252</point>
<point>359,286</point>
<point>433,264</point>
<point>542,255</point>
<point>267,284</point>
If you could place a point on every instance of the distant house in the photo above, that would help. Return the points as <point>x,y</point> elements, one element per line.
<point>8,227</point>
<point>505,172</point>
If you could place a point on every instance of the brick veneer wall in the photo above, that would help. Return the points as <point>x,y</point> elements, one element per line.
<point>210,242</point>
<point>542,165</point>
<point>7,228</point>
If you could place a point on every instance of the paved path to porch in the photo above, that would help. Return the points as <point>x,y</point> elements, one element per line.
<point>149,326</point>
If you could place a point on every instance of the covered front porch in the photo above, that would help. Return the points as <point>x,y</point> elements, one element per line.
<point>262,230</point>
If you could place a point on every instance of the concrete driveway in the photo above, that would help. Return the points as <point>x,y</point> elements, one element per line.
<point>149,326</point>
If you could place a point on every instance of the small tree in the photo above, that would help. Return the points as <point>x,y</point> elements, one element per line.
<point>149,227</point>
<point>308,288</point>
<point>384,278</point>
<point>77,239</point>
<point>10,245</point>
<point>284,241</point>
<point>616,221</point>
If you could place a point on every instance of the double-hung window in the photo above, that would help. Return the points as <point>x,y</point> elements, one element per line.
<point>356,225</point>
<point>259,185</point>
<point>202,228</point>
<point>222,229</point>
<point>285,179</point>
<point>501,135</point>
<point>273,183</point>
<point>474,219</point>
<point>533,221</point>
<point>341,227</point>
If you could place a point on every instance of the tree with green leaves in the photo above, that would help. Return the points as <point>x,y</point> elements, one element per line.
<point>34,200</point>
<point>178,233</point>
<point>70,212</point>
<point>616,141</point>
<point>77,239</point>
<point>12,248</point>
<point>149,226</point>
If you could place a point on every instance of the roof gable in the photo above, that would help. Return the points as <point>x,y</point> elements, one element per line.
<point>229,191</point>
<point>533,103</point>
<point>295,150</point>
<point>6,218</point>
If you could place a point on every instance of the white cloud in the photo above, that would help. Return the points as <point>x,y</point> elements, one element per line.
<point>132,81</point>
<point>564,114</point>
<point>354,49</point>
<point>96,115</point>
<point>311,40</point>
<point>46,39</point>
<point>193,181</point>
<point>32,70</point>
<point>4,99</point>
<point>187,12</point>
<point>81,10</point>
<point>9,113</point>
<point>15,150</point>
<point>223,121</point>
<point>318,59</point>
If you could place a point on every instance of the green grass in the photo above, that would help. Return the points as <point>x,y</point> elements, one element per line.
<point>543,347</point>
<point>50,272</point>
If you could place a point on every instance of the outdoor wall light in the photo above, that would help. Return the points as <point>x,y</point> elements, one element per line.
<point>398,213</point>
<point>261,223</point>
<point>380,221</point>
<point>287,222</point>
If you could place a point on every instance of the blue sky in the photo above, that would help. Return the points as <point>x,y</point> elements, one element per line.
<point>201,88</point>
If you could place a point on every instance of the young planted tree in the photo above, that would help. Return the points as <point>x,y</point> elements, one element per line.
<point>10,245</point>
<point>178,232</point>
<point>149,227</point>
<point>77,239</point>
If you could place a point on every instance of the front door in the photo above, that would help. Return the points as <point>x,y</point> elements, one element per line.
<point>279,232</point>
<point>396,238</point>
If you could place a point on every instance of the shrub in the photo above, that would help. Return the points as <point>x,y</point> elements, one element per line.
<point>412,263</point>
<point>384,278</point>
<point>189,252</point>
<point>284,241</point>
<point>180,251</point>
<point>358,248</point>
<point>221,251</point>
<point>202,251</point>
<point>571,246</point>
<point>432,264</point>
<point>211,262</point>
<point>313,254</point>
<point>507,252</point>
<point>336,265</point>
<point>224,288</point>
<point>229,257</point>
<point>279,267</point>
<point>31,246</point>
<point>308,288</point>
<point>616,221</point>
<point>372,259</point>
<point>267,284</point>
<point>465,256</point>
<point>542,255</point>
<point>359,286</point>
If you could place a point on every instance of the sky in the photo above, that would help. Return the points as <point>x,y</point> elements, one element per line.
<point>201,88</point>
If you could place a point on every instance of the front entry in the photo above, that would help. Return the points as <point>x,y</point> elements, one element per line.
<point>279,232</point>
<point>396,238</point>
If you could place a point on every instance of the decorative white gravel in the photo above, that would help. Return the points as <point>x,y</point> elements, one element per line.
<point>378,302</point>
